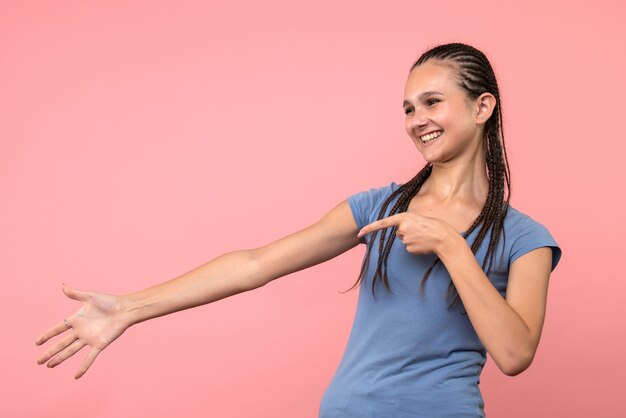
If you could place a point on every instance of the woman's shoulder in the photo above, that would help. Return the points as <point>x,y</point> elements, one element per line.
<point>378,191</point>
<point>367,203</point>
<point>389,186</point>
<point>525,233</point>
<point>516,218</point>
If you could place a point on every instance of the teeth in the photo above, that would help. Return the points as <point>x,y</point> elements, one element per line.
<point>431,136</point>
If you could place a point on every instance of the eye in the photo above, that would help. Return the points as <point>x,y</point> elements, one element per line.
<point>408,110</point>
<point>432,100</point>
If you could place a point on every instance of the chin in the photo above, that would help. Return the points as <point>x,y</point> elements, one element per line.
<point>433,159</point>
<point>426,157</point>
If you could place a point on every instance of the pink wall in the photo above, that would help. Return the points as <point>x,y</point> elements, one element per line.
<point>141,139</point>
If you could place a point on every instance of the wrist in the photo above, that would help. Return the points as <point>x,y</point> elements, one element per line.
<point>450,245</point>
<point>130,310</point>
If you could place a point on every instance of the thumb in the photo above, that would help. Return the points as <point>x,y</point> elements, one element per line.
<point>75,293</point>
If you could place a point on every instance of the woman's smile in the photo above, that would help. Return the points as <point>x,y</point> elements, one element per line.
<point>431,137</point>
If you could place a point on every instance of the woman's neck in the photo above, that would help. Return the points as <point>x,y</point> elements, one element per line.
<point>465,181</point>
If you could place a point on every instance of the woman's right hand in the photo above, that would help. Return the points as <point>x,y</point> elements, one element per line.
<point>100,320</point>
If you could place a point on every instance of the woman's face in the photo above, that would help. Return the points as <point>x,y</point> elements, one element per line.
<point>434,103</point>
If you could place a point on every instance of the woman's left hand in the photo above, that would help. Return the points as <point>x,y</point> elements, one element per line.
<point>420,234</point>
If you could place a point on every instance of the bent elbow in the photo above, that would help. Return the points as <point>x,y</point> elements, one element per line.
<point>517,365</point>
<point>514,371</point>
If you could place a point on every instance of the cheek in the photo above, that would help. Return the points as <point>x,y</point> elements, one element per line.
<point>407,126</point>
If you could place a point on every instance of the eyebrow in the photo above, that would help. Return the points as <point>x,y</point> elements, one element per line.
<point>426,93</point>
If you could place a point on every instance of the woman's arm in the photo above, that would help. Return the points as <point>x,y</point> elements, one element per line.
<point>509,329</point>
<point>245,270</point>
<point>103,318</point>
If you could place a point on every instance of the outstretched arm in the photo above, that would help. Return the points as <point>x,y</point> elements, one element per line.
<point>103,318</point>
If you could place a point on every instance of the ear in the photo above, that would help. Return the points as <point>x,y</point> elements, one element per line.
<point>485,104</point>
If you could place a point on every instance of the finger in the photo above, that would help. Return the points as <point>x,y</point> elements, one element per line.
<point>67,353</point>
<point>380,224</point>
<point>75,293</point>
<point>55,330</point>
<point>52,351</point>
<point>89,359</point>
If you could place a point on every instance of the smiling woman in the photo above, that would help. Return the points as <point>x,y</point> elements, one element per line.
<point>468,276</point>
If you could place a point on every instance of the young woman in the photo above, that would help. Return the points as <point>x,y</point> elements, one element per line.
<point>451,270</point>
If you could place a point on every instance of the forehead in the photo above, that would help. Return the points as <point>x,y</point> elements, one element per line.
<point>430,76</point>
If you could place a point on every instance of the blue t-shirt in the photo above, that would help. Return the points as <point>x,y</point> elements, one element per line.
<point>409,356</point>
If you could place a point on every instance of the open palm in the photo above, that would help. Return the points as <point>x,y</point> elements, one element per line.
<point>97,324</point>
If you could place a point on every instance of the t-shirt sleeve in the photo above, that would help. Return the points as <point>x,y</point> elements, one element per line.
<point>365,205</point>
<point>534,235</point>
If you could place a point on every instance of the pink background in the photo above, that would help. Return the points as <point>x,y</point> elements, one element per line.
<point>142,139</point>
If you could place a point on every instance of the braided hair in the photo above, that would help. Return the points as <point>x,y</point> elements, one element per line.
<point>475,76</point>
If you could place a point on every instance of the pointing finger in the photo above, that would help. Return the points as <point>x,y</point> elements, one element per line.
<point>380,224</point>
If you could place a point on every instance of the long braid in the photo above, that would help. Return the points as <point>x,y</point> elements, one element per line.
<point>475,76</point>
<point>406,192</point>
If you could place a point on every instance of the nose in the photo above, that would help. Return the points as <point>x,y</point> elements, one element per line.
<point>418,120</point>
